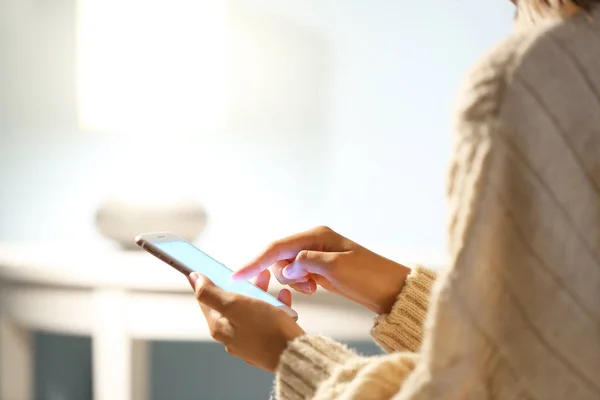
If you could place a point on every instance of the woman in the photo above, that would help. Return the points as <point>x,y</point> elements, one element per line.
<point>517,313</point>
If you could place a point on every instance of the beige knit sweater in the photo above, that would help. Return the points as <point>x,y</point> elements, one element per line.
<point>517,314</point>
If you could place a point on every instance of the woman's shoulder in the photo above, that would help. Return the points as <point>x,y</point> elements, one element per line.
<point>529,57</point>
<point>484,85</point>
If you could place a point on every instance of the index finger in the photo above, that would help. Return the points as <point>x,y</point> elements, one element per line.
<point>283,249</point>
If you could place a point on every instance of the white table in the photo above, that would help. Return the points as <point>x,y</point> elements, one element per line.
<point>122,300</point>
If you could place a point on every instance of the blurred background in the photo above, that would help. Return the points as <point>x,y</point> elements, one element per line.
<point>273,115</point>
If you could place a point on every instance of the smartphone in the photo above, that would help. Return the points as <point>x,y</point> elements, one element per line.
<point>186,258</point>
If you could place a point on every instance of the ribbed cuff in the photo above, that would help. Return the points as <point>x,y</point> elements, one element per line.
<point>308,361</point>
<point>402,328</point>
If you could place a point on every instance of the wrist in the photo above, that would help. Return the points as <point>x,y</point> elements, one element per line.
<point>289,332</point>
<point>396,278</point>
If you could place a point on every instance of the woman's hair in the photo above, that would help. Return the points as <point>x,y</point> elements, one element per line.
<point>586,4</point>
<point>530,12</point>
<point>558,4</point>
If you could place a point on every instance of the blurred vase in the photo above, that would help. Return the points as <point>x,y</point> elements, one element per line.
<point>121,220</point>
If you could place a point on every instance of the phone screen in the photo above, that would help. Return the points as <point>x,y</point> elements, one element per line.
<point>195,259</point>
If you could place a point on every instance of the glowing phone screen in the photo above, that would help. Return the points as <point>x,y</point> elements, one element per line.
<point>197,260</point>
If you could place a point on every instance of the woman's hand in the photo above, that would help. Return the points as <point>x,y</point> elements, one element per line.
<point>250,329</point>
<point>324,257</point>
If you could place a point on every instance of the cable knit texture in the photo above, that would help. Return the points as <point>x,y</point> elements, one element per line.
<point>516,315</point>
<point>310,360</point>
<point>402,328</point>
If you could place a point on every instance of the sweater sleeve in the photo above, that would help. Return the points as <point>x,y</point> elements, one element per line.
<point>320,367</point>
<point>316,367</point>
<point>402,329</point>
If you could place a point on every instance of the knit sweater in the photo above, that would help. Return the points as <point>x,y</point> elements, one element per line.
<point>516,315</point>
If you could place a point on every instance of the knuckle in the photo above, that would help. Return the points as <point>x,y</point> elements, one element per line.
<point>220,323</point>
<point>327,235</point>
<point>230,303</point>
<point>335,260</point>
<point>277,269</point>
<point>200,293</point>
<point>214,333</point>
<point>303,255</point>
<point>217,330</point>
<point>323,230</point>
<point>280,278</point>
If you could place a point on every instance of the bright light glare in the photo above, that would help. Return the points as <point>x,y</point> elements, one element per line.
<point>148,67</point>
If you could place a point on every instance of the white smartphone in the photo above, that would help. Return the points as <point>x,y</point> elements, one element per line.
<point>186,258</point>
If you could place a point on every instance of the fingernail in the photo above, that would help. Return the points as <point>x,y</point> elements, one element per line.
<point>193,278</point>
<point>235,275</point>
<point>288,272</point>
<point>305,288</point>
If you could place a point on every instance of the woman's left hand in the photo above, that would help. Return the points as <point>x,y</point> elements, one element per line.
<point>250,329</point>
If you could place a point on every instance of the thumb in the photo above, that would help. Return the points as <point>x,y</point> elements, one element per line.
<point>195,278</point>
<point>209,294</point>
<point>310,262</point>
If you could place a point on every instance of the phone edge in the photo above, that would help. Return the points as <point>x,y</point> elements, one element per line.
<point>152,249</point>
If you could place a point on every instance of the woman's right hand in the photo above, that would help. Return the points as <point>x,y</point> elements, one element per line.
<point>324,257</point>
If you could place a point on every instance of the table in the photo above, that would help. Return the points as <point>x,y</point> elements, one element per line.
<point>122,299</point>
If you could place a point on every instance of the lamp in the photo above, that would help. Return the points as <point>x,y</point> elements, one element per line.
<point>151,70</point>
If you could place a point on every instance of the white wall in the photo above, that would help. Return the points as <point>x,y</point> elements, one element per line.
<point>399,65</point>
<point>256,186</point>
<point>395,70</point>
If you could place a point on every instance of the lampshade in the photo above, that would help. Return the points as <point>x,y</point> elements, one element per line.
<point>152,67</point>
